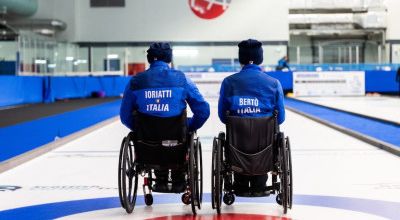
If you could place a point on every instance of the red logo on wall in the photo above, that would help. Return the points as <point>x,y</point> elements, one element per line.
<point>209,9</point>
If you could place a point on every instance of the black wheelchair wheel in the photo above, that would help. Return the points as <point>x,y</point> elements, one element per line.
<point>284,175</point>
<point>199,172</point>
<point>120,175</point>
<point>229,198</point>
<point>290,173</point>
<point>148,199</point>
<point>213,172</point>
<point>193,182</point>
<point>217,172</point>
<point>186,199</point>
<point>129,177</point>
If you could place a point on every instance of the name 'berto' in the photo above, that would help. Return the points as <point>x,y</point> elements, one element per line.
<point>248,106</point>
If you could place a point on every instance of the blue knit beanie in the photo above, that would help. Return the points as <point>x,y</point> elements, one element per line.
<point>250,50</point>
<point>160,50</point>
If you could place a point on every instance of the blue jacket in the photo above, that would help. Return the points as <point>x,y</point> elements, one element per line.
<point>282,63</point>
<point>251,93</point>
<point>163,92</point>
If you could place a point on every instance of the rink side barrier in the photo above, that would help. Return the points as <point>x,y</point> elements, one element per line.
<point>24,137</point>
<point>375,80</point>
<point>17,90</point>
<point>375,132</point>
<point>390,122</point>
<point>65,87</point>
<point>381,81</point>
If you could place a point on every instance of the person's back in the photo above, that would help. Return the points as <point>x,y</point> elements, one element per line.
<point>160,91</point>
<point>163,92</point>
<point>250,93</point>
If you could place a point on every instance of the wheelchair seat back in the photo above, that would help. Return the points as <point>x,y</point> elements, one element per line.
<point>250,144</point>
<point>160,141</point>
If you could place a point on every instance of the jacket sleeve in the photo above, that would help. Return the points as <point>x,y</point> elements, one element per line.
<point>127,107</point>
<point>199,107</point>
<point>222,104</point>
<point>280,107</point>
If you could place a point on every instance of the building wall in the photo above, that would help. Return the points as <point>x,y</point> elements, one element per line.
<point>393,9</point>
<point>393,30</point>
<point>46,9</point>
<point>63,10</point>
<point>173,20</point>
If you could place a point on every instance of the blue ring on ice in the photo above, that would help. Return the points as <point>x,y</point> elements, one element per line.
<point>54,210</point>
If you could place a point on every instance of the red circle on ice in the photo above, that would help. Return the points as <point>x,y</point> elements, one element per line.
<point>227,216</point>
<point>209,9</point>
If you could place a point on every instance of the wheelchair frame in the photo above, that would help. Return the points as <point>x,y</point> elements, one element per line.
<point>129,172</point>
<point>222,174</point>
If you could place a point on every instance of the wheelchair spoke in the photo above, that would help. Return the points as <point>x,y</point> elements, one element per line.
<point>130,189</point>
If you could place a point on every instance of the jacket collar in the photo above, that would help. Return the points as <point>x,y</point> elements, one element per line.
<point>252,67</point>
<point>159,64</point>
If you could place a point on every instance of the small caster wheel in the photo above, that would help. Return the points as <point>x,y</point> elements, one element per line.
<point>186,198</point>
<point>279,198</point>
<point>229,198</point>
<point>148,199</point>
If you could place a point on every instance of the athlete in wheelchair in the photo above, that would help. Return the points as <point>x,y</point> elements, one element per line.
<point>251,106</point>
<point>162,146</point>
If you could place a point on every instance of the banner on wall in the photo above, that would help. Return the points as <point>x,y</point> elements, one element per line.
<point>206,77</point>
<point>329,83</point>
<point>209,84</point>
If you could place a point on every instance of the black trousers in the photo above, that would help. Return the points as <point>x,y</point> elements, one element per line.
<point>246,183</point>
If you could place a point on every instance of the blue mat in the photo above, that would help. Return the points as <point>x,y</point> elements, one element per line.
<point>21,138</point>
<point>386,132</point>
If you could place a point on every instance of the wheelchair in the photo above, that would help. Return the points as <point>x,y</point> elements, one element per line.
<point>252,146</point>
<point>160,144</point>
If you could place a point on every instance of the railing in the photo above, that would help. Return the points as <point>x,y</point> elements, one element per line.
<point>294,67</point>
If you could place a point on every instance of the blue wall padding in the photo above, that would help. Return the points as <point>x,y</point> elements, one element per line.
<point>20,90</point>
<point>15,90</point>
<point>21,138</point>
<point>380,130</point>
<point>381,81</point>
<point>81,87</point>
<point>285,78</point>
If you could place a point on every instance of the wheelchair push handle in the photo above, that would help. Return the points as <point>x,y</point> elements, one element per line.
<point>275,114</point>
